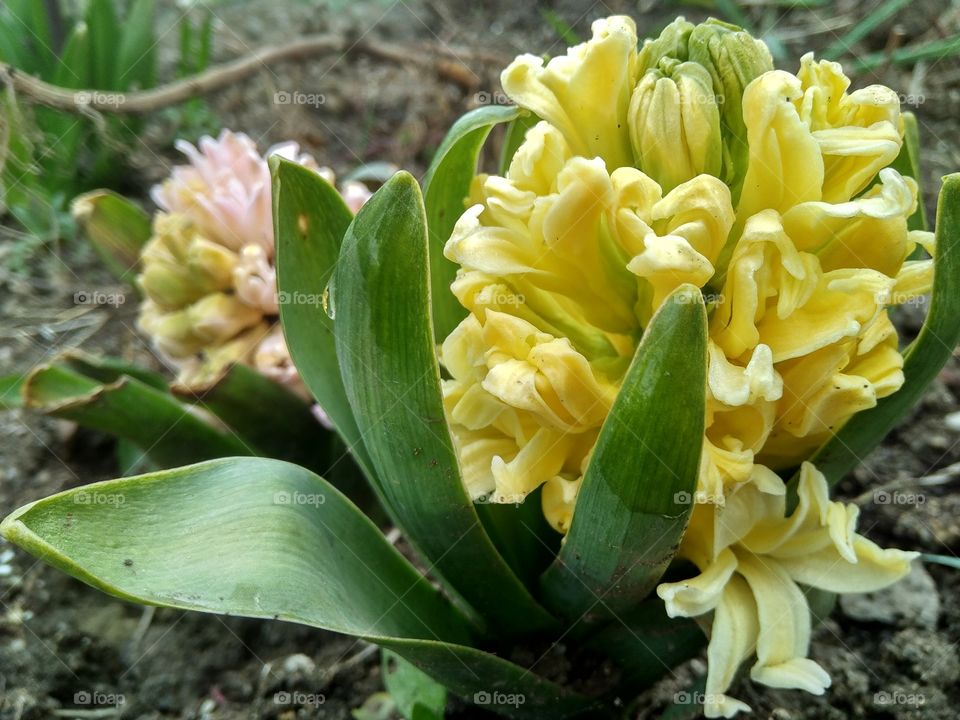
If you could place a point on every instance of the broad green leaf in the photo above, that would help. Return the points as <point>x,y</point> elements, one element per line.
<point>417,695</point>
<point>167,430</point>
<point>268,418</point>
<point>117,228</point>
<point>445,189</point>
<point>310,219</point>
<point>385,343</point>
<point>131,460</point>
<point>495,684</point>
<point>237,536</point>
<point>646,644</point>
<point>522,535</point>
<point>923,359</point>
<point>637,493</point>
<point>267,539</point>
<point>907,163</point>
<point>108,369</point>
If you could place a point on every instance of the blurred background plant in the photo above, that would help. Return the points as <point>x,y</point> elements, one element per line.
<point>48,156</point>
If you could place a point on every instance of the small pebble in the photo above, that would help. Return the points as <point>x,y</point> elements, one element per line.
<point>952,421</point>
<point>299,663</point>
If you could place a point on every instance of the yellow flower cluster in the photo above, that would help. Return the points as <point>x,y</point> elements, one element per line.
<point>691,160</point>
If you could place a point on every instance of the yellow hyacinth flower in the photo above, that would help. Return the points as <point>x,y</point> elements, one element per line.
<point>795,228</point>
<point>753,559</point>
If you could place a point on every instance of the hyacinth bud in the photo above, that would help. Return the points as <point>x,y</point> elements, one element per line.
<point>674,123</point>
<point>218,317</point>
<point>733,59</point>
<point>179,265</point>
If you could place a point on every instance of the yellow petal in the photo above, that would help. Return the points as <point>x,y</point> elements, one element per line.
<point>584,93</point>
<point>733,637</point>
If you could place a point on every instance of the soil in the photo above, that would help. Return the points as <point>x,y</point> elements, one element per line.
<point>69,651</point>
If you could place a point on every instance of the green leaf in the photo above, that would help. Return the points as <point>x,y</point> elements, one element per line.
<point>514,137</point>
<point>646,644</point>
<point>267,539</point>
<point>11,391</point>
<point>136,58</point>
<point>907,163</point>
<point>496,684</point>
<point>103,25</point>
<point>386,347</point>
<point>167,430</point>
<point>417,695</point>
<point>310,219</point>
<point>637,493</point>
<point>522,535</point>
<point>923,359</point>
<point>108,369</point>
<point>445,189</point>
<point>117,228</point>
<point>74,68</point>
<point>238,536</point>
<point>268,417</point>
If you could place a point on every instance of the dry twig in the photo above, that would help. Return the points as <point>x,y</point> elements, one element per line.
<point>447,62</point>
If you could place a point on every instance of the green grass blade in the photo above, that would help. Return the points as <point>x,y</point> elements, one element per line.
<point>637,493</point>
<point>872,20</point>
<point>103,24</point>
<point>136,58</point>
<point>386,347</point>
<point>445,188</point>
